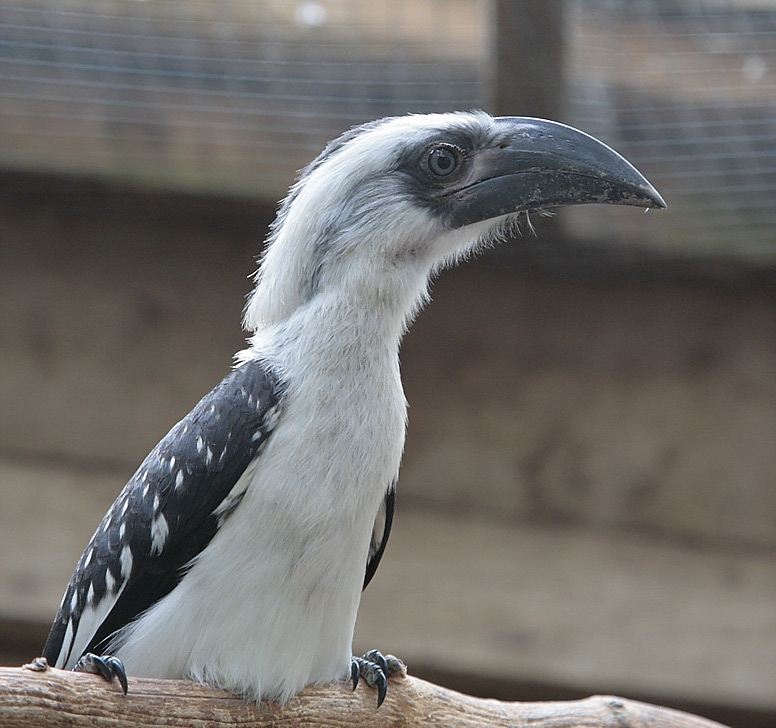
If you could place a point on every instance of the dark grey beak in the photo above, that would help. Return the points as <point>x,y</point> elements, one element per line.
<point>536,164</point>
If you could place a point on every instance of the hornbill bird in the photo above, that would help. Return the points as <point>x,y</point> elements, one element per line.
<point>237,553</point>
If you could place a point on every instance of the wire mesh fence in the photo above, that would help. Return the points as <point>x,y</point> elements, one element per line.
<point>231,95</point>
<point>687,90</point>
<point>235,95</point>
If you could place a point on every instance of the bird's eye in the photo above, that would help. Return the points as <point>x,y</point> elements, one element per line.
<point>443,161</point>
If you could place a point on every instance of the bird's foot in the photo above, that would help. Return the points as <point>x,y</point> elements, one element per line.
<point>39,664</point>
<point>375,669</point>
<point>107,667</point>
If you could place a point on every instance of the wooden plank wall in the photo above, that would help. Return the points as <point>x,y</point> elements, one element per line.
<point>586,499</point>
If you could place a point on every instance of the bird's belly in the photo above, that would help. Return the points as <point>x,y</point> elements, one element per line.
<point>269,606</point>
<point>269,638</point>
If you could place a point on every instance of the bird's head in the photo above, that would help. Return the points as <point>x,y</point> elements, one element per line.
<point>389,202</point>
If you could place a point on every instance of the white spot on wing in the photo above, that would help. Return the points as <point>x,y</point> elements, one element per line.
<point>110,582</point>
<point>200,444</point>
<point>208,456</point>
<point>126,562</point>
<point>179,479</point>
<point>159,531</point>
<point>90,594</point>
<point>271,417</point>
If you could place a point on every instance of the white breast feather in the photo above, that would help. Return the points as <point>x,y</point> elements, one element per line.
<point>270,604</point>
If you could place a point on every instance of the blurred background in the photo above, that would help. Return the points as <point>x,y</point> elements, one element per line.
<point>587,501</point>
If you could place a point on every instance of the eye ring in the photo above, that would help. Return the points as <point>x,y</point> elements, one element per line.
<point>443,160</point>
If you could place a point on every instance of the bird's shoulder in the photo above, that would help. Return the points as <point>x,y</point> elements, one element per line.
<point>185,478</point>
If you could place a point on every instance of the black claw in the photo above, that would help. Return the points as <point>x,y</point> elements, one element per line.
<point>382,687</point>
<point>355,672</point>
<point>109,668</point>
<point>118,671</point>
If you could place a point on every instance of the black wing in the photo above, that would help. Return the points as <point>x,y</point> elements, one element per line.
<point>167,513</point>
<point>380,533</point>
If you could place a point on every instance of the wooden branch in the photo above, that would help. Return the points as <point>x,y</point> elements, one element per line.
<point>57,698</point>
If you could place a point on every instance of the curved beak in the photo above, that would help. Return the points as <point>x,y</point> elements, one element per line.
<point>534,163</point>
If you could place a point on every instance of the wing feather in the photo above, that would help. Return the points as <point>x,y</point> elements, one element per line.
<point>380,533</point>
<point>167,513</point>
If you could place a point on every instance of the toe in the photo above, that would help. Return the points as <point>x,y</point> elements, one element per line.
<point>394,666</point>
<point>375,669</point>
<point>376,657</point>
<point>94,665</point>
<point>117,670</point>
<point>108,668</point>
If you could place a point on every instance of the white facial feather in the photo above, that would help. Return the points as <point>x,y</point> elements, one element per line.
<point>352,207</point>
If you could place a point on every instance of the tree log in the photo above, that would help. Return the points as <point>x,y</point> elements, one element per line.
<point>58,698</point>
